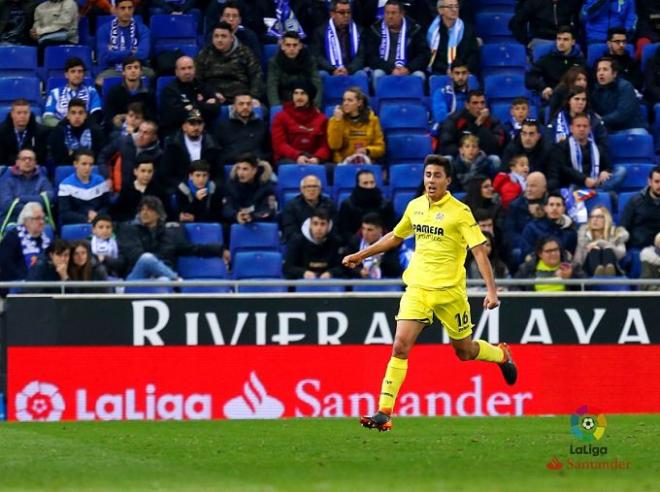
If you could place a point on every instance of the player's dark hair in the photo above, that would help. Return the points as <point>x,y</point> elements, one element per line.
<point>438,160</point>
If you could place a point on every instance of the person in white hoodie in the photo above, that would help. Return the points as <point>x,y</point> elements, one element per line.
<point>650,257</point>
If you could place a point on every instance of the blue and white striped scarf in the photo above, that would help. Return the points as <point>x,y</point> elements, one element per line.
<point>332,47</point>
<point>384,50</point>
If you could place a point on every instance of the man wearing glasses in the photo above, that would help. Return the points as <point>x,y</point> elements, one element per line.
<point>449,38</point>
<point>629,69</point>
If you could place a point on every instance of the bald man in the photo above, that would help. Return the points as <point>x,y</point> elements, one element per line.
<point>300,208</point>
<point>525,208</point>
<point>184,94</point>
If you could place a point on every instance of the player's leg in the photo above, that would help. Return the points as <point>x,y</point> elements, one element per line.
<point>468,349</point>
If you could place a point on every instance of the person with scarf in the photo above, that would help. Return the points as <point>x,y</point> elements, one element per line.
<point>551,261</point>
<point>396,45</point>
<point>518,113</point>
<point>450,38</point>
<point>124,35</point>
<point>584,163</point>
<point>365,198</point>
<point>74,132</point>
<point>57,101</point>
<point>300,130</point>
<point>338,45</point>
<point>19,131</point>
<point>576,103</point>
<point>198,198</point>
<point>293,63</point>
<point>382,265</point>
<point>21,247</point>
<point>446,100</point>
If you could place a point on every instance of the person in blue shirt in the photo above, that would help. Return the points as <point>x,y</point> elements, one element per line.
<point>84,194</point>
<point>600,15</point>
<point>452,96</point>
<point>57,102</point>
<point>122,36</point>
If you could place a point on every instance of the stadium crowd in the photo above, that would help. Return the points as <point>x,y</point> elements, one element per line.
<point>151,117</point>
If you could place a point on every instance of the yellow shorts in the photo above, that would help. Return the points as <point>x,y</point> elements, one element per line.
<point>450,306</point>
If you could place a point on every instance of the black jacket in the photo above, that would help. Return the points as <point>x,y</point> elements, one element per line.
<point>302,254</point>
<point>652,78</point>
<point>417,51</point>
<point>540,159</point>
<point>359,203</point>
<point>259,195</point>
<point>467,50</point>
<point>641,218</point>
<point>318,49</point>
<point>43,271</point>
<point>176,160</point>
<point>492,136</point>
<point>57,148</point>
<point>35,138</point>
<point>629,69</point>
<point>118,98</point>
<point>541,18</point>
<point>548,70</point>
<point>179,98</point>
<point>125,206</point>
<point>125,148</point>
<point>236,137</point>
<point>12,262</point>
<point>28,7</point>
<point>568,174</point>
<point>207,210</point>
<point>297,211</point>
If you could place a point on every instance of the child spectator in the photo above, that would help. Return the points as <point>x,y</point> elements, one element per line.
<point>519,112</point>
<point>470,162</point>
<point>83,194</point>
<point>131,123</point>
<point>198,199</point>
<point>132,193</point>
<point>104,245</point>
<point>512,184</point>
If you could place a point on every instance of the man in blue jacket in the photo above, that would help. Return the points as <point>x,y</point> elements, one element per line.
<point>554,223</point>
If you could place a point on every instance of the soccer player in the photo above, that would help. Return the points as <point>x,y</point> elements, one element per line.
<point>435,283</point>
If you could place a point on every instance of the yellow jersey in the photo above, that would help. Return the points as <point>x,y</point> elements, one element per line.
<point>443,232</point>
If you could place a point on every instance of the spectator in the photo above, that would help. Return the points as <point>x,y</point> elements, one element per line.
<point>486,222</point>
<point>52,267</point>
<point>123,36</point>
<point>601,244</point>
<point>500,269</point>
<point>396,44</point>
<point>548,70</point>
<point>550,260</point>
<point>84,194</point>
<point>198,199</point>
<point>292,64</point>
<point>474,119</point>
<point>585,163</point>
<point>652,78</point>
<point>648,25</point>
<point>300,208</point>
<point>338,45</point>
<point>538,20</point>
<point>576,103</point>
<point>245,131</point>
<point>383,265</point>
<point>599,17</point>
<point>369,11</point>
<point>56,22</point>
<point>172,7</point>
<point>57,101</point>
<point>132,121</point>
<point>16,19</point>
<point>511,185</point>
<point>251,17</point>
<point>249,195</point>
<point>518,113</point>
<point>189,144</point>
<point>132,89</point>
<point>574,78</point>
<point>19,131</point>
<point>355,129</point>
<point>614,98</point>
<point>300,130</point>
<point>641,216</point>
<point>182,95</point>
<point>629,69</point>
<point>470,162</point>
<point>480,194</point>
<point>228,68</point>
<point>74,132</point>
<point>22,183</point>
<point>104,245</point>
<point>365,198</point>
<point>93,8</point>
<point>151,249</point>
<point>314,252</point>
<point>230,12</point>
<point>531,143</point>
<point>446,100</point>
<point>84,267</point>
<point>650,258</point>
<point>131,194</point>
<point>526,207</point>
<point>22,246</point>
<point>554,222</point>
<point>449,38</point>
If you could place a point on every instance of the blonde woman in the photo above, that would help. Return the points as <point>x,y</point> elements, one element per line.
<point>601,244</point>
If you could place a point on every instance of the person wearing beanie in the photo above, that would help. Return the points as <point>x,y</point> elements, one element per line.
<point>299,132</point>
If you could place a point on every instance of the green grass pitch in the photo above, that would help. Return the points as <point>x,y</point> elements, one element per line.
<point>453,454</point>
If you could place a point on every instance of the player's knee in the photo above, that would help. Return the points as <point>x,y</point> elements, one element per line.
<point>401,348</point>
<point>463,353</point>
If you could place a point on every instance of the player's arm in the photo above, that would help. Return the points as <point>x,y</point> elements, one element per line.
<point>385,243</point>
<point>483,263</point>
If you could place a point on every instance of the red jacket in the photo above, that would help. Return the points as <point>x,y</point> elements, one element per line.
<point>507,188</point>
<point>300,131</point>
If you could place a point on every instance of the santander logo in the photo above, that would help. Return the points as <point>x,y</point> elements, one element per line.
<point>254,403</point>
<point>39,401</point>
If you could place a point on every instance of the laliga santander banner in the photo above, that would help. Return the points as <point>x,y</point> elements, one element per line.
<point>148,383</point>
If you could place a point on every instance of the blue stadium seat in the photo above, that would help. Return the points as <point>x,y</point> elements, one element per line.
<point>161,82</point>
<point>334,87</point>
<point>258,265</point>
<point>541,49</point>
<point>400,201</point>
<point>85,37</point>
<point>623,198</point>
<point>60,81</point>
<point>170,32</point>
<point>637,176</point>
<point>255,236</point>
<point>267,52</point>
<point>289,176</point>
<point>608,287</point>
<point>503,58</point>
<point>631,147</point>
<point>406,176</point>
<point>408,148</point>
<point>395,88</point>
<point>601,198</point>
<point>12,88</point>
<point>344,178</point>
<point>18,61</point>
<point>439,81</point>
<point>596,50</point>
<point>505,86</point>
<point>276,108</point>
<point>56,56</point>
<point>411,117</point>
<point>647,54</point>
<point>203,233</point>
<point>317,286</point>
<point>72,232</point>
<point>492,26</point>
<point>193,267</point>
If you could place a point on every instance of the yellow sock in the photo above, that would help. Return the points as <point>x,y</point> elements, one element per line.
<point>490,353</point>
<point>394,376</point>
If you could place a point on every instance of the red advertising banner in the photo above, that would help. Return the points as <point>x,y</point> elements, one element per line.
<point>147,383</point>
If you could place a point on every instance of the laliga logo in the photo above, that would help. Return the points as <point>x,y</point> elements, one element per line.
<point>588,424</point>
<point>39,401</point>
<point>254,403</point>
